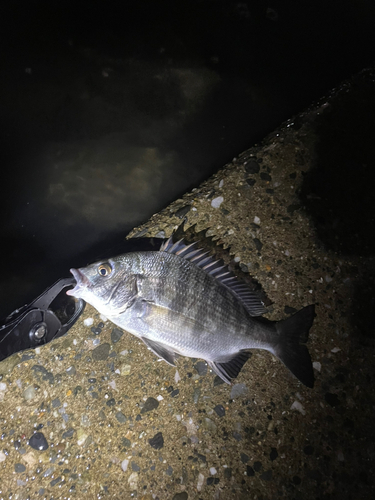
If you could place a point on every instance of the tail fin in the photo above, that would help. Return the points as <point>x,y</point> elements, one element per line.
<point>294,332</point>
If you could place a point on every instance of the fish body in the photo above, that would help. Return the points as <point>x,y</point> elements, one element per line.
<point>181,302</point>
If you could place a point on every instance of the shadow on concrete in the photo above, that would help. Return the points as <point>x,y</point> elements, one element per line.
<point>338,192</point>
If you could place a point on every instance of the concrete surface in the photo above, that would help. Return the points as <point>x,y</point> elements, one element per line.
<point>121,424</point>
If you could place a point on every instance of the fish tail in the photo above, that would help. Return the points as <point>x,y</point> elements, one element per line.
<point>294,332</point>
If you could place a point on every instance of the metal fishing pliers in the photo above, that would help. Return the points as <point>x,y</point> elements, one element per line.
<point>48,317</point>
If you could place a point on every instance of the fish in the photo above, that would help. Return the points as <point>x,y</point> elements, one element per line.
<point>181,302</point>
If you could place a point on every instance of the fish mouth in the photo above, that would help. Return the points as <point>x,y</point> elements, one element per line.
<point>82,283</point>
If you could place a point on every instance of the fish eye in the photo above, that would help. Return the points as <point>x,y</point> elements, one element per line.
<point>105,269</point>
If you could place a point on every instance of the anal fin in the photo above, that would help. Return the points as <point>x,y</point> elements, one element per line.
<point>161,350</point>
<point>230,368</point>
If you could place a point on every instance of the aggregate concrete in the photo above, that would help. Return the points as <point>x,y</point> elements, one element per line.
<point>120,424</point>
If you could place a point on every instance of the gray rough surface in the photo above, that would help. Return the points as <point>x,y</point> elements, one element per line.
<point>275,439</point>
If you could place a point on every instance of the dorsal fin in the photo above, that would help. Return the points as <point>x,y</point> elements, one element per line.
<point>219,271</point>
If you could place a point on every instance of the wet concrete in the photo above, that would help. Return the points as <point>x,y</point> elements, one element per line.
<point>120,424</point>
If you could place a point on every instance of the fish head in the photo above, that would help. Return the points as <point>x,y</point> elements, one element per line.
<point>108,285</point>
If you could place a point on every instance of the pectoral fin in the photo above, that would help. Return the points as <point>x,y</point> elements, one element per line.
<point>161,350</point>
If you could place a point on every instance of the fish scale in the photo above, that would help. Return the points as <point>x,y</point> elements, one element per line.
<point>219,310</point>
<point>180,301</point>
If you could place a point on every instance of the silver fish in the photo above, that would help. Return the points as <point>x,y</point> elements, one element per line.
<point>179,301</point>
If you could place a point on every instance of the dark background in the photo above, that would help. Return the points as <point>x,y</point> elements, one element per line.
<point>103,79</point>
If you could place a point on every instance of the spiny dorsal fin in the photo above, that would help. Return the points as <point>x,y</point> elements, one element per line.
<point>215,268</point>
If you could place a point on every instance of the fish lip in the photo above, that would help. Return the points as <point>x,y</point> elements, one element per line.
<point>82,283</point>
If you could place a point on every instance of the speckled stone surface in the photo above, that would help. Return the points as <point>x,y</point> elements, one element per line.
<point>111,421</point>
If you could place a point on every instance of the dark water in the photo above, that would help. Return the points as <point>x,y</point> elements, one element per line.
<point>110,110</point>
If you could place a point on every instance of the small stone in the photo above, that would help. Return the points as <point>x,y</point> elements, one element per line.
<point>216,202</point>
<point>157,441</point>
<point>227,473</point>
<point>125,442</point>
<point>30,458</point>
<point>55,481</point>
<point>265,177</point>
<point>19,468</point>
<point>238,390</point>
<point>250,471</point>
<point>266,476</point>
<point>273,454</point>
<point>27,357</point>
<point>257,466</point>
<point>317,366</point>
<point>85,420</point>
<point>120,417</point>
<point>220,410</point>
<point>133,481</point>
<point>124,465</point>
<point>71,371</point>
<point>252,167</point>
<point>181,212</point>
<point>135,467</point>
<point>244,458</point>
<point>88,321</point>
<point>38,441</point>
<point>181,496</point>
<point>29,393</point>
<point>218,381</point>
<point>56,403</point>
<point>125,370</point>
<point>116,335</point>
<point>2,456</point>
<point>200,481</point>
<point>175,393</point>
<point>258,244</point>
<point>201,368</point>
<point>169,471</point>
<point>41,374</point>
<point>150,404</point>
<point>196,394</point>
<point>332,399</point>
<point>48,471</point>
<point>208,424</point>
<point>299,407</point>
<point>101,352</point>
<point>81,436</point>
<point>256,220</point>
<point>213,471</point>
<point>68,434</point>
